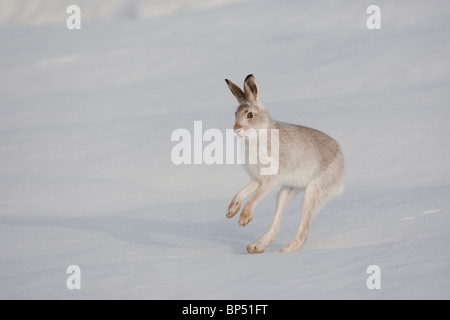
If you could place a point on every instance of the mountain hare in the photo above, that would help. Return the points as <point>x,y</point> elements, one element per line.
<point>309,161</point>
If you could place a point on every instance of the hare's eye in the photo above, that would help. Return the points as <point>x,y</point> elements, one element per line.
<point>250,115</point>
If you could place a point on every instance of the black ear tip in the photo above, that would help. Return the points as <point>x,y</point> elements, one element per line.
<point>249,76</point>
<point>227,81</point>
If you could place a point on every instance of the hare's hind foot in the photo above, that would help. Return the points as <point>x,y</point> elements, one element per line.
<point>257,247</point>
<point>264,242</point>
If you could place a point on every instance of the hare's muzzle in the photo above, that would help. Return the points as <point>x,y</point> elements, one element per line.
<point>238,129</point>
<point>240,132</point>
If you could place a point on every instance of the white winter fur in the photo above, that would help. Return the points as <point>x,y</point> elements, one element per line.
<point>309,161</point>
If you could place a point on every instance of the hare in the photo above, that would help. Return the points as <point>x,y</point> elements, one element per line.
<point>309,161</point>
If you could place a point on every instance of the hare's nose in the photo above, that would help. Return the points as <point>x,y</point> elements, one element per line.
<point>239,132</point>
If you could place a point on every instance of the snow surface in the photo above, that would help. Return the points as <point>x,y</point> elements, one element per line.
<point>86,176</point>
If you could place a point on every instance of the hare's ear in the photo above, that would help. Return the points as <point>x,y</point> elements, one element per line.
<point>250,88</point>
<point>236,91</point>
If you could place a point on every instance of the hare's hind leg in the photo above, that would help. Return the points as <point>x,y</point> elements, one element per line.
<point>314,199</point>
<point>286,194</point>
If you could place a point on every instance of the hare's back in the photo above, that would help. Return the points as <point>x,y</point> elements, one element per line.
<point>306,146</point>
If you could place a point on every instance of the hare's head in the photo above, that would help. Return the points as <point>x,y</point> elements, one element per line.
<point>250,114</point>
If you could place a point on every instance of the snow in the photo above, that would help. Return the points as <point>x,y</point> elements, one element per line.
<point>86,176</point>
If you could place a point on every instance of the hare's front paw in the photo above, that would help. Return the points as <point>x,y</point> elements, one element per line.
<point>246,216</point>
<point>233,208</point>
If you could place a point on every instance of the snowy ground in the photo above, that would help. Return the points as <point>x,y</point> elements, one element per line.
<point>86,176</point>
